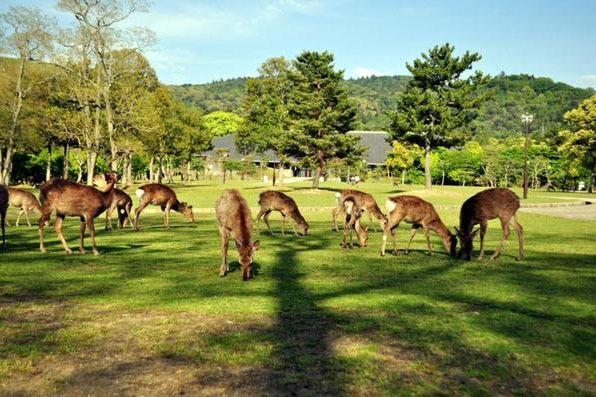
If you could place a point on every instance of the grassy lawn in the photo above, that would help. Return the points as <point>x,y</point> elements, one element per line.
<point>152,316</point>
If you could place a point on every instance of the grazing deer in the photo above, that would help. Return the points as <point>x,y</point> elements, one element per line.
<point>479,209</point>
<point>164,196</point>
<point>72,199</point>
<point>24,200</point>
<point>233,217</point>
<point>421,214</point>
<point>272,200</point>
<point>3,209</point>
<point>352,222</point>
<point>122,203</point>
<point>365,201</point>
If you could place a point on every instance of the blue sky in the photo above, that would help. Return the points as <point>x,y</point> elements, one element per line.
<point>200,41</point>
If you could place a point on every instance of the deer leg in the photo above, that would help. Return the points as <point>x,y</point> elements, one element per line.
<point>283,222</point>
<point>266,219</point>
<point>370,220</point>
<point>27,217</point>
<point>483,226</point>
<point>224,236</point>
<point>19,217</point>
<point>83,226</point>
<point>334,215</point>
<point>520,236</point>
<point>45,216</point>
<point>505,236</point>
<point>258,220</point>
<point>3,226</point>
<point>412,234</point>
<point>138,211</point>
<point>92,234</point>
<point>294,228</point>
<point>129,214</point>
<point>58,229</point>
<point>427,235</point>
<point>109,213</point>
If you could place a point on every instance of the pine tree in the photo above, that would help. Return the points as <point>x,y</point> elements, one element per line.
<point>438,102</point>
<point>321,111</point>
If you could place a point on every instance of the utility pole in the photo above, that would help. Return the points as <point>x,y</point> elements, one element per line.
<point>526,120</point>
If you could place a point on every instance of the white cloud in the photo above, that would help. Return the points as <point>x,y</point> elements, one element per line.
<point>365,72</point>
<point>589,80</point>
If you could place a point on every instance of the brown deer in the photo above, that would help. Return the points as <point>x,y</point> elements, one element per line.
<point>352,222</point>
<point>122,203</point>
<point>272,200</point>
<point>3,209</point>
<point>479,209</point>
<point>165,197</point>
<point>72,199</point>
<point>364,200</point>
<point>234,217</point>
<point>421,214</point>
<point>26,201</point>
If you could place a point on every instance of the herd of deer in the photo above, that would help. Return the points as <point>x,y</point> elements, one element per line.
<point>65,198</point>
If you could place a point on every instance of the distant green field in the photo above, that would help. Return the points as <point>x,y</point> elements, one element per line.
<point>152,316</point>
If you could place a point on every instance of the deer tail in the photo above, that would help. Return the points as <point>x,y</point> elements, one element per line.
<point>140,193</point>
<point>390,205</point>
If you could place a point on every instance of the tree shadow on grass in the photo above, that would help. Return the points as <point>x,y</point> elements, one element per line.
<point>304,363</point>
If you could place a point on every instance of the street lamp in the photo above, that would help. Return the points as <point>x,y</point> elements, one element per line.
<point>526,120</point>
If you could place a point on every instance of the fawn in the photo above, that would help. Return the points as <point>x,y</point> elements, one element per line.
<point>421,214</point>
<point>352,222</point>
<point>272,200</point>
<point>26,201</point>
<point>364,200</point>
<point>165,197</point>
<point>122,203</point>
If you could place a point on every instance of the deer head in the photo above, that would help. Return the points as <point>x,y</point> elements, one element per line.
<point>453,245</point>
<point>102,180</point>
<point>466,241</point>
<point>186,210</point>
<point>246,253</point>
<point>303,225</point>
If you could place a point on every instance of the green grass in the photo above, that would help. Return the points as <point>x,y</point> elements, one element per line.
<point>152,316</point>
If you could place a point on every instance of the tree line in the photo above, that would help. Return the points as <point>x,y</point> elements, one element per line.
<point>88,95</point>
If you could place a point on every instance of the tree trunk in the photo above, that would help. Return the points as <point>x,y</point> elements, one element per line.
<point>281,174</point>
<point>17,106</point>
<point>317,177</point>
<point>129,169</point>
<point>443,178</point>
<point>91,160</point>
<point>49,164</point>
<point>66,163</point>
<point>151,176</point>
<point>403,177</point>
<point>110,127</point>
<point>427,175</point>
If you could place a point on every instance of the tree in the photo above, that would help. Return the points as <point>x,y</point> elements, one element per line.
<point>29,39</point>
<point>438,102</point>
<point>321,111</point>
<point>578,142</point>
<point>402,157</point>
<point>99,20</point>
<point>267,121</point>
<point>221,123</point>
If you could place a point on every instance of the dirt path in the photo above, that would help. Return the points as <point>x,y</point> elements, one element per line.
<point>583,212</point>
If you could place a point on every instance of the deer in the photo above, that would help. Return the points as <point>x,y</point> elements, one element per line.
<point>3,209</point>
<point>489,204</point>
<point>364,200</point>
<point>352,222</point>
<point>73,199</point>
<point>122,203</point>
<point>421,214</point>
<point>26,201</point>
<point>234,218</point>
<point>272,200</point>
<point>163,196</point>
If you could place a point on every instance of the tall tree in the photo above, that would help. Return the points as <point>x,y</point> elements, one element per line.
<point>579,140</point>
<point>438,102</point>
<point>321,111</point>
<point>267,121</point>
<point>100,19</point>
<point>29,38</point>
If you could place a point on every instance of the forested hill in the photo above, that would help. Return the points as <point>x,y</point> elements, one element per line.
<point>375,96</point>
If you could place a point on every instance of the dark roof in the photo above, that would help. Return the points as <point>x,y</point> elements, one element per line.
<point>375,142</point>
<point>376,145</point>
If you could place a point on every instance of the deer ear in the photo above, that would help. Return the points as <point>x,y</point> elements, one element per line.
<point>256,245</point>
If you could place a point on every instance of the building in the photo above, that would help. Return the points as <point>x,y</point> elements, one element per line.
<point>375,155</point>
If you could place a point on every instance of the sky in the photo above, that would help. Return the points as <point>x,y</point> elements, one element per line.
<point>201,41</point>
